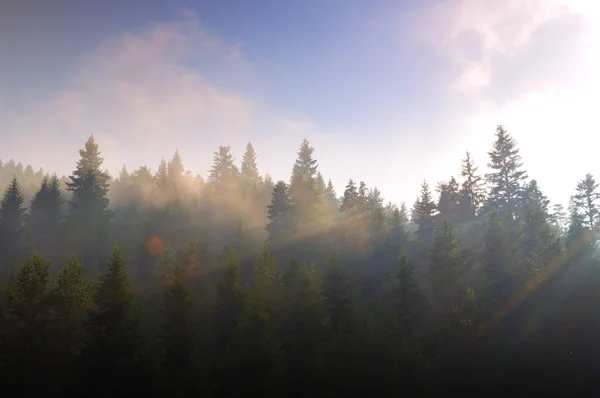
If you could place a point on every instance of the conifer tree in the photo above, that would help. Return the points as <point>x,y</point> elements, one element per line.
<point>304,193</point>
<point>408,303</point>
<point>175,172</point>
<point>507,177</point>
<point>258,347</point>
<point>89,204</point>
<point>46,215</point>
<point>538,243</point>
<point>109,358</point>
<point>70,299</point>
<point>496,256</point>
<point>423,215</point>
<point>223,174</point>
<point>331,198</point>
<point>397,225</point>
<point>447,261</point>
<point>12,222</point>
<point>449,200</point>
<point>249,171</point>
<point>576,224</point>
<point>471,194</point>
<point>26,345</point>
<point>279,215</point>
<point>376,221</point>
<point>586,200</point>
<point>161,178</point>
<point>337,299</point>
<point>176,333</point>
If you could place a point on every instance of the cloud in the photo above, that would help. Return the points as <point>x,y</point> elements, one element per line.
<point>528,64</point>
<point>145,94</point>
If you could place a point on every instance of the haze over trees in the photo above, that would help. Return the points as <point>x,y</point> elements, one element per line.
<point>163,282</point>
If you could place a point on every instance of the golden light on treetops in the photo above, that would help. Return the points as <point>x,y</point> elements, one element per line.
<point>155,245</point>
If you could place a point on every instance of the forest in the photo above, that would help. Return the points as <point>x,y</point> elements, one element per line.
<point>166,283</point>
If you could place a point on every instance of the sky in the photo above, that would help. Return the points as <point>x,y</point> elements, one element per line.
<point>392,92</point>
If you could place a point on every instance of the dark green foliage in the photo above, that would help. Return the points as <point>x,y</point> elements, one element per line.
<point>45,217</point>
<point>423,216</point>
<point>586,200</point>
<point>279,213</point>
<point>408,304</point>
<point>11,224</point>
<point>88,217</point>
<point>506,181</point>
<point>110,357</point>
<point>471,195</point>
<point>226,325</point>
<point>26,345</point>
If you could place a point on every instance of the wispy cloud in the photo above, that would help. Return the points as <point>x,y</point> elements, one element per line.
<point>529,64</point>
<point>145,94</point>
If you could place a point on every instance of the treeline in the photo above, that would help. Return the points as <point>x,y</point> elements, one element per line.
<point>236,284</point>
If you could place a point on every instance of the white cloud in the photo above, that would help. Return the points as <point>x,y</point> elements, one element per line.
<point>530,65</point>
<point>143,95</point>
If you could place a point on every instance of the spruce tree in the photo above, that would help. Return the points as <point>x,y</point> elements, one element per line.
<point>407,300</point>
<point>448,203</point>
<point>423,215</point>
<point>539,245</point>
<point>447,262</point>
<point>109,358</point>
<point>12,214</point>
<point>89,214</point>
<point>177,333</point>
<point>331,199</point>
<point>586,200</point>
<point>507,177</point>
<point>304,193</point>
<point>279,215</point>
<point>223,173</point>
<point>26,346</point>
<point>471,194</point>
<point>46,215</point>
<point>337,299</point>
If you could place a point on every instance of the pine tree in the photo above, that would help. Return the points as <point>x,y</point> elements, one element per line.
<point>26,345</point>
<point>424,215</point>
<point>376,220</point>
<point>559,218</point>
<point>304,192</point>
<point>109,358</point>
<point>397,226</point>
<point>175,173</point>
<point>471,195</point>
<point>576,226</point>
<point>496,256</point>
<point>46,215</point>
<point>538,243</point>
<point>12,222</point>
<point>176,333</point>
<point>70,299</point>
<point>337,299</point>
<point>447,261</point>
<point>331,199</point>
<point>449,200</point>
<point>257,346</point>
<point>407,301</point>
<point>224,172</point>
<point>279,214</point>
<point>89,205</point>
<point>586,200</point>
<point>161,178</point>
<point>506,180</point>
<point>249,171</point>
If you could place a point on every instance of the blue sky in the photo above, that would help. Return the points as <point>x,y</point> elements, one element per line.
<point>391,93</point>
